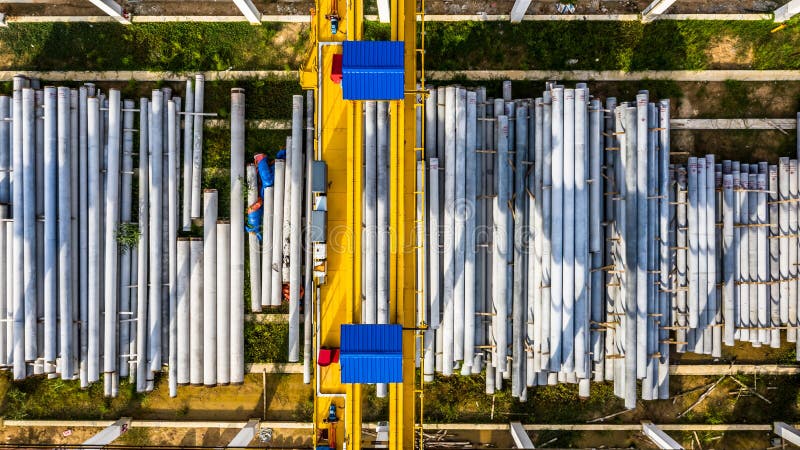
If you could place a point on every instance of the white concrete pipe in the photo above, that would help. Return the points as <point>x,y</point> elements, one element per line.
<point>223,274</point>
<point>501,258</point>
<point>253,246</point>
<point>182,310</point>
<point>126,256</point>
<point>237,236</point>
<point>276,291</point>
<point>93,180</point>
<point>111,223</point>
<point>210,287</point>
<point>196,320</point>
<point>448,327</point>
<point>188,156</point>
<point>155,195</point>
<point>197,146</point>
<point>459,215</point>
<point>51,184</point>
<point>142,304</point>
<point>172,242</point>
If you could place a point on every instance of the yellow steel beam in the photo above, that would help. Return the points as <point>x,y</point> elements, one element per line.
<point>402,203</point>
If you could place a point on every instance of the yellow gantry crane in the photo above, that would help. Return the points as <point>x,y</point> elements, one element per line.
<point>337,295</point>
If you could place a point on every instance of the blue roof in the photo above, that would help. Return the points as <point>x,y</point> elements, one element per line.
<point>373,70</point>
<point>371,354</point>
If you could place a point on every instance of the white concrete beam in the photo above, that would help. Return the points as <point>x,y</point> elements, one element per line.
<point>787,11</point>
<point>519,10</point>
<point>384,11</point>
<point>661,439</point>
<point>656,8</point>
<point>520,436</point>
<point>109,434</point>
<point>249,11</point>
<point>787,432</point>
<point>113,9</point>
<point>245,435</point>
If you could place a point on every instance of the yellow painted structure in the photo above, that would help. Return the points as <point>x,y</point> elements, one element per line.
<point>338,142</point>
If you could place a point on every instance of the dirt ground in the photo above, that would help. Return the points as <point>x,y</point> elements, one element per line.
<point>206,7</point>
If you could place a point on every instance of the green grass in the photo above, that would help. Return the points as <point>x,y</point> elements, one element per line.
<point>450,46</point>
<point>172,47</point>
<point>625,46</point>
<point>266,342</point>
<point>463,399</point>
<point>40,398</point>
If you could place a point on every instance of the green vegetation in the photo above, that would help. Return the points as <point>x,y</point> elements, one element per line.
<point>628,46</point>
<point>136,436</point>
<point>463,399</point>
<point>40,398</point>
<point>128,235</point>
<point>266,342</point>
<point>450,46</point>
<point>153,46</point>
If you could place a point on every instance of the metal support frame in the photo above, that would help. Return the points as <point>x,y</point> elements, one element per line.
<point>109,434</point>
<point>520,436</point>
<point>655,9</point>
<point>113,9</point>
<point>249,10</point>
<point>658,437</point>
<point>787,11</point>
<point>245,435</point>
<point>787,432</point>
<point>519,9</point>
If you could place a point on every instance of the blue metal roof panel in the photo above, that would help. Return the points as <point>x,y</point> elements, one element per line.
<point>373,54</point>
<point>372,85</point>
<point>373,70</point>
<point>371,354</point>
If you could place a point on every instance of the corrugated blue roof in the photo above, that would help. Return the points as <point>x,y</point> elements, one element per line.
<point>371,354</point>
<point>373,70</point>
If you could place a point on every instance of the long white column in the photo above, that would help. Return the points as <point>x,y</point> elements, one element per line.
<point>448,230</point>
<point>237,235</point>
<point>568,236</point>
<point>470,202</point>
<point>223,302</point>
<point>5,216</point>
<point>295,245</point>
<point>210,287</point>
<point>556,227</point>
<point>182,310</point>
<point>267,237</point>
<point>382,211</point>
<point>196,312</point>
<point>188,148</point>
<point>29,246</point>
<point>787,11</point>
<point>582,235</point>
<point>65,234</point>
<point>143,248</point>
<point>16,281</point>
<point>110,280</point>
<point>51,298</point>
<point>113,9</point>
<point>197,146</point>
<point>656,8</point>
<point>370,235</point>
<point>459,236</point>
<point>126,271</point>
<point>276,291</point>
<point>501,258</point>
<point>253,246</point>
<point>172,241</point>
<point>729,254</point>
<point>249,10</point>
<point>93,181</point>
<point>108,434</point>
<point>156,236</point>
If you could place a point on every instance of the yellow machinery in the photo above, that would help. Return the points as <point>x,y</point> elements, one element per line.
<point>338,142</point>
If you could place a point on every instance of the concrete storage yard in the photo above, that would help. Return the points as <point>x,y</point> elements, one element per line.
<point>587,222</point>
